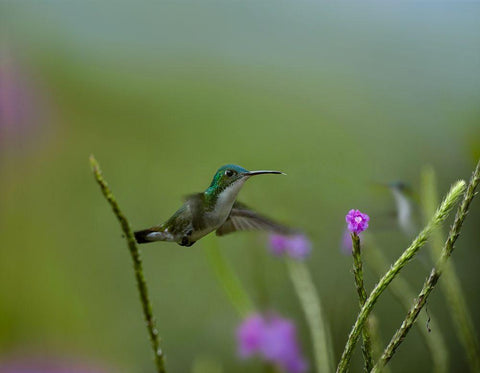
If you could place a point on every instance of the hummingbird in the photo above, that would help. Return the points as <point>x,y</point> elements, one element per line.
<point>404,202</point>
<point>216,209</point>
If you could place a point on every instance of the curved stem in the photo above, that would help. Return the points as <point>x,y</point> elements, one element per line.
<point>228,279</point>
<point>362,297</point>
<point>403,292</point>
<point>451,286</point>
<point>305,289</point>
<point>435,274</point>
<point>137,265</point>
<point>439,216</point>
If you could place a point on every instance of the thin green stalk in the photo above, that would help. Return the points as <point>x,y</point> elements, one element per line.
<point>435,274</point>
<point>451,286</point>
<point>312,307</point>
<point>226,276</point>
<point>137,265</point>
<point>403,292</point>
<point>362,297</point>
<point>439,216</point>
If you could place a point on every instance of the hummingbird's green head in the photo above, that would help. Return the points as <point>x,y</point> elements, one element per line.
<point>232,175</point>
<point>400,186</point>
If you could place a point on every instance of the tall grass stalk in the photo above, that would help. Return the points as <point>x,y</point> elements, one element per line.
<point>450,286</point>
<point>137,265</point>
<point>228,279</point>
<point>403,292</point>
<point>362,297</point>
<point>440,215</point>
<point>435,274</point>
<point>312,307</point>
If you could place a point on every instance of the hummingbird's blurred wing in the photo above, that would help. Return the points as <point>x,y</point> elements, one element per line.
<point>241,218</point>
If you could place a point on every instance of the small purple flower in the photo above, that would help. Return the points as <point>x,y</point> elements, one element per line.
<point>278,244</point>
<point>281,346</point>
<point>23,105</point>
<point>249,335</point>
<point>274,339</point>
<point>297,246</point>
<point>357,221</point>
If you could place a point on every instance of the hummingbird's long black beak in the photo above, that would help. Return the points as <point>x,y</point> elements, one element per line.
<point>261,172</point>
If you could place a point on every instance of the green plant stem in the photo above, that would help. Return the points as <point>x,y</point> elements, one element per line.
<point>362,297</point>
<point>137,265</point>
<point>403,292</point>
<point>439,216</point>
<point>226,276</point>
<point>451,286</point>
<point>312,307</point>
<point>435,274</point>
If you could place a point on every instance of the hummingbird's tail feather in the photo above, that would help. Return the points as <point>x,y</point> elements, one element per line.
<point>141,236</point>
<point>150,235</point>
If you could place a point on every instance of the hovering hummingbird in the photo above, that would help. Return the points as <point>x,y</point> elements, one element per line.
<point>403,196</point>
<point>216,209</point>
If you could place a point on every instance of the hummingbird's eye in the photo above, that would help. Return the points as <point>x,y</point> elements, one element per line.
<point>229,173</point>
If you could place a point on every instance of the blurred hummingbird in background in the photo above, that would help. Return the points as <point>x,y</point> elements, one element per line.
<point>405,207</point>
<point>216,209</point>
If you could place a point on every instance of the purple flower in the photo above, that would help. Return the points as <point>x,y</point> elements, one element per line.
<point>278,244</point>
<point>297,246</point>
<point>357,221</point>
<point>274,339</point>
<point>249,335</point>
<point>23,105</point>
<point>280,345</point>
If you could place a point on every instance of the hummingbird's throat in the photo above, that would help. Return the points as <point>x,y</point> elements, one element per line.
<point>227,197</point>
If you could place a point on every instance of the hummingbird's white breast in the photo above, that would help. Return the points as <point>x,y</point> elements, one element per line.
<point>405,213</point>
<point>224,203</point>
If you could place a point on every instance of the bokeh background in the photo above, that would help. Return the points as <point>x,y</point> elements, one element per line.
<point>337,96</point>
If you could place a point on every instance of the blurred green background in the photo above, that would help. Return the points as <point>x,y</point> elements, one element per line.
<point>338,97</point>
